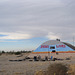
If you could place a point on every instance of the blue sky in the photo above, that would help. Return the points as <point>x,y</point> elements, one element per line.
<point>25,24</point>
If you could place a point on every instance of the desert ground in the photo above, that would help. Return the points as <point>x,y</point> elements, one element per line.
<point>26,67</point>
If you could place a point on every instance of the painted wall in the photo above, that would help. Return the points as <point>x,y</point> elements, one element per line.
<point>58,47</point>
<point>63,48</point>
<point>42,49</point>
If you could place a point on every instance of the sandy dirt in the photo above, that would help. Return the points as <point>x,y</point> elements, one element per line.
<point>25,67</point>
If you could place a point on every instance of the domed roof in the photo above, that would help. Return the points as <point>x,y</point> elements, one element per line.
<point>71,46</point>
<point>52,42</point>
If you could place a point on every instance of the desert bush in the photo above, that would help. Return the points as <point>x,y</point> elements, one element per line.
<point>57,69</point>
<point>17,53</point>
<point>40,73</point>
<point>3,51</point>
<point>10,53</point>
<point>30,72</point>
<point>71,70</point>
<point>25,51</point>
<point>0,54</point>
<point>54,69</point>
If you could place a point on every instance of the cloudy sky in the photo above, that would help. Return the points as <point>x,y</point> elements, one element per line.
<point>25,24</point>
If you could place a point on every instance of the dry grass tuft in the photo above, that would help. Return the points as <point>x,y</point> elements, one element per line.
<point>0,54</point>
<point>71,69</point>
<point>40,72</point>
<point>2,71</point>
<point>18,73</point>
<point>57,69</point>
<point>54,69</point>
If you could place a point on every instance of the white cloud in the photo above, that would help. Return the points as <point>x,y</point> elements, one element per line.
<point>14,36</point>
<point>53,36</point>
<point>37,18</point>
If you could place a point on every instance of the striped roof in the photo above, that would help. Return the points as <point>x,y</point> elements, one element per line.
<point>71,46</point>
<point>52,42</point>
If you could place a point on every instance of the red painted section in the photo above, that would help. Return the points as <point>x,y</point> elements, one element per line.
<point>58,46</point>
<point>44,46</point>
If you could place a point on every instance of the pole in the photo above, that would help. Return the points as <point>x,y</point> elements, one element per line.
<point>48,53</point>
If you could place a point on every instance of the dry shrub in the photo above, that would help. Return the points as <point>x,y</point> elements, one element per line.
<point>0,54</point>
<point>18,73</point>
<point>71,70</point>
<point>30,72</point>
<point>17,53</point>
<point>57,69</point>
<point>54,69</point>
<point>40,73</point>
<point>2,71</point>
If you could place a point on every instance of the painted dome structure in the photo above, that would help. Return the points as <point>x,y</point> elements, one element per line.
<point>54,46</point>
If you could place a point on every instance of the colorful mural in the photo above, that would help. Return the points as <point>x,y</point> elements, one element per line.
<point>54,46</point>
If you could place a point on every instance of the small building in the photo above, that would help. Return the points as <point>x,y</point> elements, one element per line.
<point>54,48</point>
